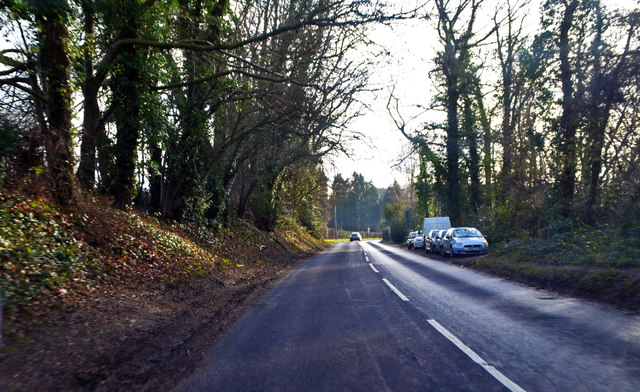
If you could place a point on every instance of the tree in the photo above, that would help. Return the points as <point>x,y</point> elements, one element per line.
<point>569,121</point>
<point>603,92</point>
<point>54,63</point>
<point>509,47</point>
<point>356,202</point>
<point>473,160</point>
<point>118,53</point>
<point>453,63</point>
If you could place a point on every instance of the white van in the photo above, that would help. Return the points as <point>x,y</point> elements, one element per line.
<point>435,223</point>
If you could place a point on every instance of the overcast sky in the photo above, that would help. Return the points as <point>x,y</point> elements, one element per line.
<point>412,48</point>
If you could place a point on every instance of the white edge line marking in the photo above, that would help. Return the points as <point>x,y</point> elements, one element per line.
<point>476,358</point>
<point>395,290</point>
<point>373,268</point>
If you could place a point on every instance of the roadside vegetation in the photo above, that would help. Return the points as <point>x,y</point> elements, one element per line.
<point>96,286</point>
<point>51,256</point>
<point>600,263</point>
<point>197,122</point>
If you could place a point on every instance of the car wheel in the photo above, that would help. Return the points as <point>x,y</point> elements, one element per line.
<point>442,251</point>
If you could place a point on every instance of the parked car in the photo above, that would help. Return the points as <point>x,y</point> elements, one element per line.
<point>464,241</point>
<point>355,236</point>
<point>411,239</point>
<point>429,239</point>
<point>436,244</point>
<point>418,243</point>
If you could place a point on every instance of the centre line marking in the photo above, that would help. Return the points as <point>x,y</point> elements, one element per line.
<point>373,268</point>
<point>476,358</point>
<point>395,290</point>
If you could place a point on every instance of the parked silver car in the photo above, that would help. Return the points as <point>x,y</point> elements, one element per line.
<point>418,242</point>
<point>436,243</point>
<point>464,241</point>
<point>411,239</point>
<point>429,238</point>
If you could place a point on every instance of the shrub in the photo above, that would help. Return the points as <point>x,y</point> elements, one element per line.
<point>37,253</point>
<point>386,234</point>
<point>398,232</point>
<point>265,211</point>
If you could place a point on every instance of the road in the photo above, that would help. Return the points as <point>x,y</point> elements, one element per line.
<point>372,317</point>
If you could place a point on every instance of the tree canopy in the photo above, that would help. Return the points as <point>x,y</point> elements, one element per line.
<point>191,109</point>
<point>552,137</point>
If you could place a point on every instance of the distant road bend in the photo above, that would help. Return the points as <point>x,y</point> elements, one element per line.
<point>371,317</point>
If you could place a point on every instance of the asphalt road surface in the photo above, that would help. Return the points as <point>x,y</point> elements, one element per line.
<point>371,317</point>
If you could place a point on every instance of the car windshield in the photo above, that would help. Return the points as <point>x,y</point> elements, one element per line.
<point>461,233</point>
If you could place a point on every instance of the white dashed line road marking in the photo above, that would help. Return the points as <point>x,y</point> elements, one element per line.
<point>476,358</point>
<point>395,290</point>
<point>373,268</point>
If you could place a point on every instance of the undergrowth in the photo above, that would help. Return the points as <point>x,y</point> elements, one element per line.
<point>564,244</point>
<point>38,255</point>
<point>601,263</point>
<point>48,255</point>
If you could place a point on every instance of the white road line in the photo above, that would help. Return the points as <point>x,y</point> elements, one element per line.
<point>395,290</point>
<point>367,258</point>
<point>373,268</point>
<point>476,358</point>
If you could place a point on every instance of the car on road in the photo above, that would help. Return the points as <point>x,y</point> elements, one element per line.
<point>355,236</point>
<point>429,238</point>
<point>464,241</point>
<point>418,243</point>
<point>411,239</point>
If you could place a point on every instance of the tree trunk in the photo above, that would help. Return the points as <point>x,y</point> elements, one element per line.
<point>602,96</point>
<point>126,89</point>
<point>453,153</point>
<point>569,119</point>
<point>155,175</point>
<point>87,166</point>
<point>506,176</point>
<point>56,65</point>
<point>506,53</point>
<point>475,194</point>
<point>487,156</point>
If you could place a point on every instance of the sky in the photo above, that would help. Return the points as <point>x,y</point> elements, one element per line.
<point>407,69</point>
<point>411,45</point>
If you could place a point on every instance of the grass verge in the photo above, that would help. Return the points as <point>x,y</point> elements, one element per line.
<point>599,263</point>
